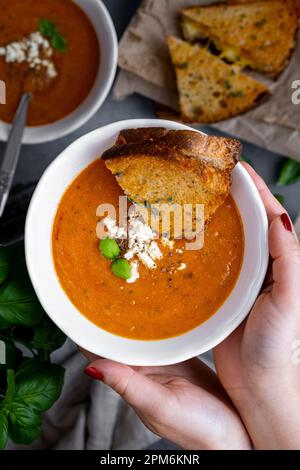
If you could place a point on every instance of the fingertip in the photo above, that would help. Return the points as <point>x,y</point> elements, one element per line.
<point>94,373</point>
<point>272,205</point>
<point>285,252</point>
<point>286,222</point>
<point>108,370</point>
<point>138,390</point>
<point>281,235</point>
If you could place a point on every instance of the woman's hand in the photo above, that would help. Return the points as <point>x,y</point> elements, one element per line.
<point>258,363</point>
<point>184,403</point>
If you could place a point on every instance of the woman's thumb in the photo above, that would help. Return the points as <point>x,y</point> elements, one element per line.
<point>285,251</point>
<point>138,390</point>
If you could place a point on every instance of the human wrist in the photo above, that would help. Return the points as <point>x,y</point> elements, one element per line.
<point>233,438</point>
<point>271,416</point>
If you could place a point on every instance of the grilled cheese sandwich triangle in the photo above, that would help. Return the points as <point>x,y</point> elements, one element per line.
<point>210,90</point>
<point>260,34</point>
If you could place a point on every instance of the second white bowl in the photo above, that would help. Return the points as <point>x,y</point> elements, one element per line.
<point>105,30</point>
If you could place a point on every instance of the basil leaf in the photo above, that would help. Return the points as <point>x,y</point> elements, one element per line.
<point>50,30</point>
<point>18,302</point>
<point>59,42</point>
<point>10,387</point>
<point>24,434</point>
<point>47,28</point>
<point>3,430</point>
<point>24,423</point>
<point>290,172</point>
<point>3,265</point>
<point>23,415</point>
<point>47,336</point>
<point>39,384</point>
<point>10,390</point>
<point>36,385</point>
<point>280,198</point>
<point>4,325</point>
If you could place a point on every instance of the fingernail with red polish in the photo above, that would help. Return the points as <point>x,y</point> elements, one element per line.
<point>94,373</point>
<point>286,222</point>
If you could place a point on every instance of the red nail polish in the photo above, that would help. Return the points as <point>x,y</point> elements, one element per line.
<point>94,373</point>
<point>286,222</point>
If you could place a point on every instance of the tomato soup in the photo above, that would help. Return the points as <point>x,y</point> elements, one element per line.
<point>75,66</point>
<point>163,302</point>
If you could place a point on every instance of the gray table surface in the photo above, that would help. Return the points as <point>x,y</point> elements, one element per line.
<point>35,158</point>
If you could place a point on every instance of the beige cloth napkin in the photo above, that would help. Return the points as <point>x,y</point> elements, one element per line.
<point>147,69</point>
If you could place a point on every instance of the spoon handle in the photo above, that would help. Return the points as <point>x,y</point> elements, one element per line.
<point>12,151</point>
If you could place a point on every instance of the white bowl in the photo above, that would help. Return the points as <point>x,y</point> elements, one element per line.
<point>104,27</point>
<point>41,269</point>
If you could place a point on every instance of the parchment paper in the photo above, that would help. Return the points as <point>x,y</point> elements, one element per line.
<point>147,69</point>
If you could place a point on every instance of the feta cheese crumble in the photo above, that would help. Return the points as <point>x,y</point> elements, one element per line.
<point>134,272</point>
<point>140,242</point>
<point>33,49</point>
<point>113,230</point>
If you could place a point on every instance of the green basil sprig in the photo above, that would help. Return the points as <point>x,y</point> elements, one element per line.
<point>289,173</point>
<point>51,31</point>
<point>29,383</point>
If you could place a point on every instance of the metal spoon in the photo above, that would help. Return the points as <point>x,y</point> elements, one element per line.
<point>12,151</point>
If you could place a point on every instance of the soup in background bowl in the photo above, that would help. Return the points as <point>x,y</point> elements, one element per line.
<point>64,53</point>
<point>145,346</point>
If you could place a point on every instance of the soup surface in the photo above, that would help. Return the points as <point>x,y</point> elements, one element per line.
<point>164,302</point>
<point>76,66</point>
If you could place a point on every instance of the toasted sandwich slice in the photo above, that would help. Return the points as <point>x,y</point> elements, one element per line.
<point>260,34</point>
<point>209,89</point>
<point>156,166</point>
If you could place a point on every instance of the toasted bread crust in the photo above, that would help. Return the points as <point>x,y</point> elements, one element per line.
<point>187,167</point>
<point>158,142</point>
<point>128,136</point>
